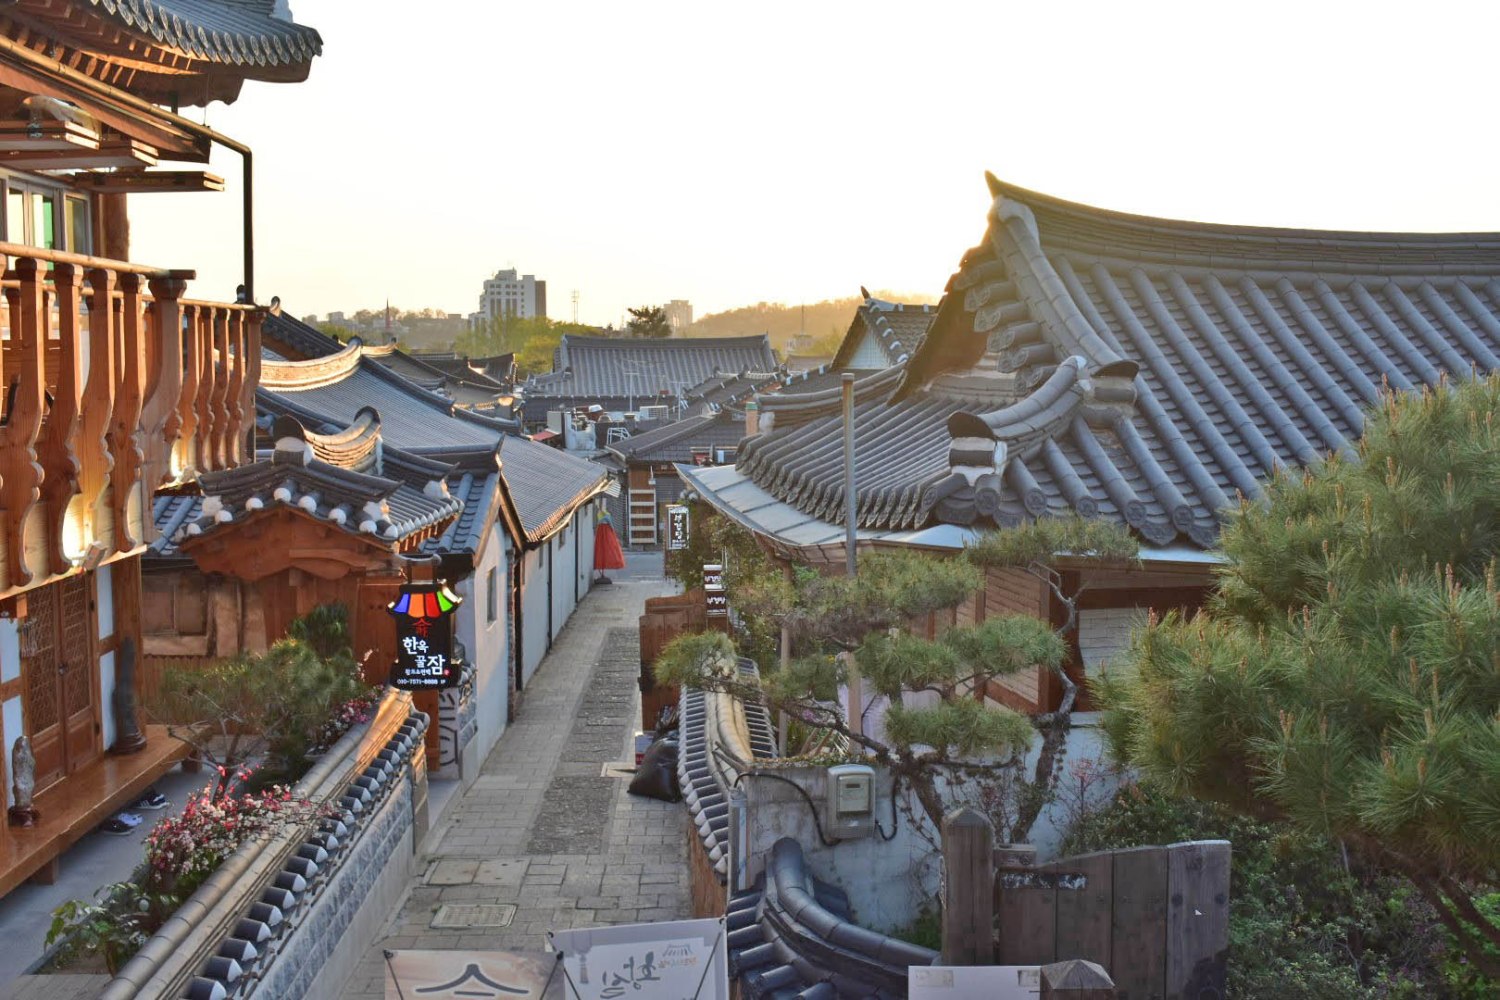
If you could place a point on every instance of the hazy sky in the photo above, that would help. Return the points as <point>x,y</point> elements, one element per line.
<point>729,154</point>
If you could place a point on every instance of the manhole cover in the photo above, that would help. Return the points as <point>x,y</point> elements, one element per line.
<point>474,915</point>
<point>617,769</point>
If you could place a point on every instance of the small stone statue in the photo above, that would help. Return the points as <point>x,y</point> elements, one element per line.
<point>128,738</point>
<point>23,783</point>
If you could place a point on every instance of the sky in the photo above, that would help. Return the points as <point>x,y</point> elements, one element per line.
<point>790,152</point>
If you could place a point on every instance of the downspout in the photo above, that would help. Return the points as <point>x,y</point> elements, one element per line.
<point>70,79</point>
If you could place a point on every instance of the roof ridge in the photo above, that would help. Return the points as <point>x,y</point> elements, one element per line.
<point>292,376</point>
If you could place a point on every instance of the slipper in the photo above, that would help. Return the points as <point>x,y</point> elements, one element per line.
<point>151,801</point>
<point>131,820</point>
<point>115,828</point>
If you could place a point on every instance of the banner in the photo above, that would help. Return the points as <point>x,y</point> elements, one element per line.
<point>672,960</point>
<point>472,975</point>
<point>678,527</point>
<point>974,982</point>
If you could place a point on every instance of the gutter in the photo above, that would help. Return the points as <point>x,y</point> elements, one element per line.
<point>77,84</point>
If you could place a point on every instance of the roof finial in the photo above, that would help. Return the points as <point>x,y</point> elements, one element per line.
<point>996,187</point>
<point>864,292</point>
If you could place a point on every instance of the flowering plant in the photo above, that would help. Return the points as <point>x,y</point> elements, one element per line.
<point>343,718</point>
<point>182,851</point>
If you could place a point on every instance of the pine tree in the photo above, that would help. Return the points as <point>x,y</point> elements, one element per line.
<point>1347,676</point>
<point>946,746</point>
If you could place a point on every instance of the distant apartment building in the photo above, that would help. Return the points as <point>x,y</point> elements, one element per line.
<point>679,315</point>
<point>506,294</point>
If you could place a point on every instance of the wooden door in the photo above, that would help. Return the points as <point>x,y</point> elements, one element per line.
<point>57,656</point>
<point>76,671</point>
<point>42,702</point>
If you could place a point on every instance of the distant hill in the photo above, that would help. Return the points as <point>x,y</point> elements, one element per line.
<point>824,321</point>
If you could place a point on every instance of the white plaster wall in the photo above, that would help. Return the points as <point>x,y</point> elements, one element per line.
<point>485,642</point>
<point>533,611</point>
<point>869,353</point>
<point>10,649</point>
<point>564,589</point>
<point>1104,633</point>
<point>10,717</point>
<point>888,881</point>
<point>105,581</point>
<point>585,521</point>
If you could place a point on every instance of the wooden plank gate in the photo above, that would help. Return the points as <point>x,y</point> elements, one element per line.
<point>1157,918</point>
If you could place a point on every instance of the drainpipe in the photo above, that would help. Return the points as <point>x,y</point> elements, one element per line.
<point>78,84</point>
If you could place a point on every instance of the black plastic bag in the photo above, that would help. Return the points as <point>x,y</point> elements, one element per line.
<point>656,778</point>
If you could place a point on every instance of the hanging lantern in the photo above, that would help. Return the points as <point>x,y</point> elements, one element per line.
<point>424,632</point>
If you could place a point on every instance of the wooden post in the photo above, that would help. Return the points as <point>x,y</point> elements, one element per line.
<point>1076,979</point>
<point>1197,919</point>
<point>968,889</point>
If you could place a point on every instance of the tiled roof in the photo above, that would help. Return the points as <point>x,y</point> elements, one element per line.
<point>546,484</point>
<point>237,33</point>
<point>592,367</point>
<point>791,938</point>
<point>491,371</point>
<point>1139,369</point>
<point>339,478</point>
<point>335,387</point>
<point>675,442</point>
<point>293,340</point>
<point>714,751</point>
<point>882,334</point>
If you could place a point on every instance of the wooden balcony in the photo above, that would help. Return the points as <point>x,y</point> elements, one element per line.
<point>112,385</point>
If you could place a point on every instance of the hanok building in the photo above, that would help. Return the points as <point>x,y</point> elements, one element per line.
<point>1143,370</point>
<point>631,374</point>
<point>390,469</point>
<point>882,334</point>
<point>116,383</point>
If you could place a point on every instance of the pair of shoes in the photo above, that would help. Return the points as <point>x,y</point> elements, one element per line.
<point>151,801</point>
<point>129,819</point>
<point>115,828</point>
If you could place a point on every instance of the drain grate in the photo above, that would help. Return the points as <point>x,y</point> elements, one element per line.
<point>617,769</point>
<point>460,915</point>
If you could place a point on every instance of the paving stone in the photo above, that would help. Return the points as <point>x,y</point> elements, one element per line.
<point>540,828</point>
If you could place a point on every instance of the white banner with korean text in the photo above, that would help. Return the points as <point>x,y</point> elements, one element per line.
<point>672,960</point>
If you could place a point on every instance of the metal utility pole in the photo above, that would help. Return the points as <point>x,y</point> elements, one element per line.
<point>849,498</point>
<point>856,695</point>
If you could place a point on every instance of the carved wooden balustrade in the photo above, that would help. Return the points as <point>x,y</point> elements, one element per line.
<point>112,385</point>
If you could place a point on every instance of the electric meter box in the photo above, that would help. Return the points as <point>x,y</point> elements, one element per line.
<point>851,801</point>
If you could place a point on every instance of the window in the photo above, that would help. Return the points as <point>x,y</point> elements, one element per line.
<point>491,598</point>
<point>46,217</point>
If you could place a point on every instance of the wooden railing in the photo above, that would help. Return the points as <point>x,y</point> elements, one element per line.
<point>112,384</point>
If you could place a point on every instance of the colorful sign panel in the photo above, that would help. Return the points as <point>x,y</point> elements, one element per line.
<point>424,637</point>
<point>672,960</point>
<point>679,527</point>
<point>471,975</point>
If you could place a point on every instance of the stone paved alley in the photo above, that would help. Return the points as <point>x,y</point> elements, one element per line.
<point>543,828</point>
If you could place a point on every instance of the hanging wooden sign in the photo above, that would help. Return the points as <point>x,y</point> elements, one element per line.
<point>424,637</point>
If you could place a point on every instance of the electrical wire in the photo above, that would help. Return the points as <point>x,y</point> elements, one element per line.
<point>812,806</point>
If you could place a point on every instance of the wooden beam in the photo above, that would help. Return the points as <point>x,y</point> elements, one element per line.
<point>115,153</point>
<point>152,182</point>
<point>42,136</point>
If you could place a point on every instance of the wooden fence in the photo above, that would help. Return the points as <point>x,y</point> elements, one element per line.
<point>1156,918</point>
<point>149,674</point>
<point>664,620</point>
